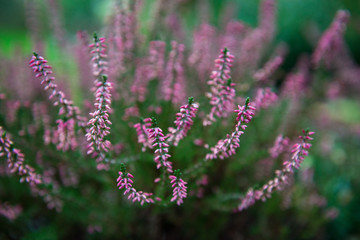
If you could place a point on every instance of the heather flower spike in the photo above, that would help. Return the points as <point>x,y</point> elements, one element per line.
<point>279,146</point>
<point>64,136</point>
<point>179,188</point>
<point>15,161</point>
<point>183,122</point>
<point>173,86</point>
<point>270,67</point>
<point>158,141</point>
<point>99,123</point>
<point>222,91</point>
<point>227,147</point>
<point>143,134</point>
<point>265,98</point>
<point>125,182</point>
<point>67,109</point>
<point>299,152</point>
<point>331,40</point>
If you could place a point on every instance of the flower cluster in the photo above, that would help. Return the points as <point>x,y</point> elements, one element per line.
<point>179,188</point>
<point>299,151</point>
<point>269,68</point>
<point>15,160</point>
<point>226,147</point>
<point>173,85</point>
<point>331,40</point>
<point>201,54</point>
<point>99,56</point>
<point>158,141</point>
<point>149,68</point>
<point>222,92</point>
<point>183,122</point>
<point>265,98</point>
<point>64,135</point>
<point>99,123</point>
<point>279,146</point>
<point>10,212</point>
<point>142,130</point>
<point>125,181</point>
<point>42,69</point>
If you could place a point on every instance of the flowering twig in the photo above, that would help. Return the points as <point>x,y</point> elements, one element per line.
<point>99,123</point>
<point>15,160</point>
<point>67,109</point>
<point>173,85</point>
<point>270,67</point>
<point>222,92</point>
<point>299,151</point>
<point>159,142</point>
<point>226,147</point>
<point>16,163</point>
<point>279,146</point>
<point>265,98</point>
<point>9,211</point>
<point>125,181</point>
<point>330,41</point>
<point>65,132</point>
<point>99,56</point>
<point>179,188</point>
<point>183,122</point>
<point>143,134</point>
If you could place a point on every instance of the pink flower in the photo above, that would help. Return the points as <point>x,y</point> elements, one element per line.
<point>83,61</point>
<point>149,68</point>
<point>174,86</point>
<point>226,147</point>
<point>251,50</point>
<point>67,108</point>
<point>265,98</point>
<point>125,182</point>
<point>295,82</point>
<point>279,146</point>
<point>179,88</point>
<point>270,67</point>
<point>183,122</point>
<point>267,17</point>
<point>64,137</point>
<point>299,151</point>
<point>250,198</point>
<point>15,161</point>
<point>10,212</point>
<point>156,59</point>
<point>142,130</point>
<point>99,123</point>
<point>222,92</point>
<point>179,188</point>
<point>234,33</point>
<point>131,112</point>
<point>98,57</point>
<point>331,40</point>
<point>158,141</point>
<point>201,53</point>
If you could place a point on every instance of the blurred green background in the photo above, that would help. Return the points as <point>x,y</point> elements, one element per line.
<point>295,18</point>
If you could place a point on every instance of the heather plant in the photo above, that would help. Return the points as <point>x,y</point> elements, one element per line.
<point>169,132</point>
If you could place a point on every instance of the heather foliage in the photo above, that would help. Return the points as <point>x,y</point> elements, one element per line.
<point>207,132</point>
